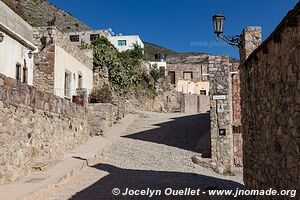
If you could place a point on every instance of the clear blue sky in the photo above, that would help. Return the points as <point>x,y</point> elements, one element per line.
<point>176,24</point>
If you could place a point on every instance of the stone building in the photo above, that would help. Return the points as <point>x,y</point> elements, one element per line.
<point>61,67</point>
<point>190,76</point>
<point>16,36</point>
<point>270,91</point>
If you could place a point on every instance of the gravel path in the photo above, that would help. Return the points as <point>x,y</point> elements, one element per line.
<point>155,153</point>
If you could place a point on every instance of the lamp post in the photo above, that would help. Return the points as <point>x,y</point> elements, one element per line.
<point>218,22</point>
<point>1,37</point>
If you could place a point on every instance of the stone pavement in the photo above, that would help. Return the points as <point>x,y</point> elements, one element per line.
<point>155,152</point>
<point>71,165</point>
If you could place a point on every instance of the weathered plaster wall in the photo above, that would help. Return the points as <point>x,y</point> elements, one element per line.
<point>270,91</point>
<point>35,126</point>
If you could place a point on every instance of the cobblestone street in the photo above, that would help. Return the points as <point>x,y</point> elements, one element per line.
<point>155,153</point>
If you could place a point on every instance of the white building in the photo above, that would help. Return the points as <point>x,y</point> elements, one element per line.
<point>121,42</point>
<point>125,42</point>
<point>16,46</point>
<point>160,63</point>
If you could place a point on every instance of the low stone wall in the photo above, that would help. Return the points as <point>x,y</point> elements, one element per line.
<point>104,115</point>
<point>270,91</point>
<point>35,126</point>
<point>193,104</point>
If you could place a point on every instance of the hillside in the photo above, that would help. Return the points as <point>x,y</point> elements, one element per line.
<point>172,56</point>
<point>39,12</point>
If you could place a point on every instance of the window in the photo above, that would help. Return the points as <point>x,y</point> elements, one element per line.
<point>187,75</point>
<point>94,37</point>
<point>79,81</point>
<point>25,75</point>
<point>74,38</point>
<point>203,92</point>
<point>122,43</point>
<point>18,72</point>
<point>68,76</point>
<point>172,77</point>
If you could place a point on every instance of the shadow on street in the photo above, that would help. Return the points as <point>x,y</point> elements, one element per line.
<point>143,179</point>
<point>188,132</point>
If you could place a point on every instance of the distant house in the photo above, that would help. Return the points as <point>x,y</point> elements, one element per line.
<point>61,67</point>
<point>121,42</point>
<point>126,42</point>
<point>16,46</point>
<point>86,37</point>
<point>160,63</point>
<point>189,78</point>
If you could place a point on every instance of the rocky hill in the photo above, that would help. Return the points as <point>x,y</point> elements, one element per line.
<point>40,12</point>
<point>172,56</point>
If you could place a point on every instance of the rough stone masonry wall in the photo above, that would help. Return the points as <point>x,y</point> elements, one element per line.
<point>35,126</point>
<point>221,112</point>
<point>270,91</point>
<point>104,115</point>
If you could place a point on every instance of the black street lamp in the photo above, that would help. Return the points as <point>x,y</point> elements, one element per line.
<point>1,37</point>
<point>218,22</point>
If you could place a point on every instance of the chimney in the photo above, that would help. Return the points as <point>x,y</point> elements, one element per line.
<point>251,39</point>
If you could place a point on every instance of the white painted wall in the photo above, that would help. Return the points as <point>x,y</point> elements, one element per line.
<point>131,40</point>
<point>11,54</point>
<point>64,61</point>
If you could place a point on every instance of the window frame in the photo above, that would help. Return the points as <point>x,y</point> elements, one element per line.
<point>122,43</point>
<point>94,37</point>
<point>74,38</point>
<point>67,84</point>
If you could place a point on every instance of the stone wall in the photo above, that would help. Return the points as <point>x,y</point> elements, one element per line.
<point>270,91</point>
<point>221,112</point>
<point>194,104</point>
<point>104,115</point>
<point>43,71</point>
<point>35,126</point>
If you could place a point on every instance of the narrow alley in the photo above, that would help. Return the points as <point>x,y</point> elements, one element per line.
<point>155,153</point>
